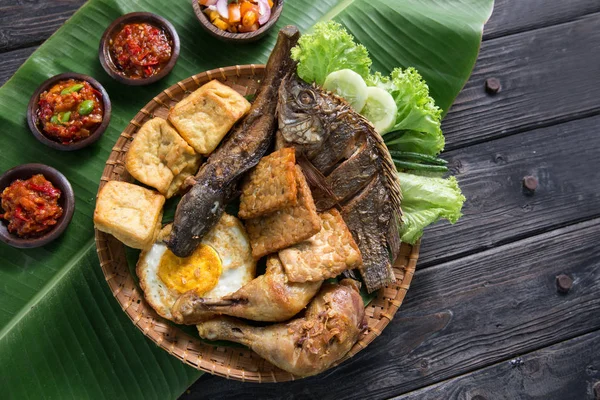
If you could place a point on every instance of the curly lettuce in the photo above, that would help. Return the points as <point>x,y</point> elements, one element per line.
<point>418,121</point>
<point>426,200</point>
<point>328,48</point>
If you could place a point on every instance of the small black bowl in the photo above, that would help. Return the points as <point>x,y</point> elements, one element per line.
<point>238,37</point>
<point>66,201</point>
<point>137,17</point>
<point>36,127</point>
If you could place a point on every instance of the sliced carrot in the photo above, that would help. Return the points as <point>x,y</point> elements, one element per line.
<point>247,6</point>
<point>234,13</point>
<point>204,2</point>
<point>270,3</point>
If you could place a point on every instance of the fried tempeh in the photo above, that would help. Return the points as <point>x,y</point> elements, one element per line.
<point>285,227</point>
<point>271,186</point>
<point>324,255</point>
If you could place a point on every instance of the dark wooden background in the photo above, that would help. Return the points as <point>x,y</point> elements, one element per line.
<point>483,319</point>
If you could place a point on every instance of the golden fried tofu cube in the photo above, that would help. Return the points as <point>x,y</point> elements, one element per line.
<point>271,186</point>
<point>160,158</point>
<point>285,227</point>
<point>205,116</point>
<point>324,255</point>
<point>130,213</point>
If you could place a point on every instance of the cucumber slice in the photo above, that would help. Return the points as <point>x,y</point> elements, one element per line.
<point>380,108</point>
<point>348,85</point>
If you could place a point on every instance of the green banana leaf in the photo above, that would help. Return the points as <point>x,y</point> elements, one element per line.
<point>62,334</point>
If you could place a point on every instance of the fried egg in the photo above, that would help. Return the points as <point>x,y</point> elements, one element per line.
<point>221,265</point>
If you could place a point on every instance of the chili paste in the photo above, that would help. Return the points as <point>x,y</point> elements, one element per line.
<point>70,111</point>
<point>140,50</point>
<point>31,206</point>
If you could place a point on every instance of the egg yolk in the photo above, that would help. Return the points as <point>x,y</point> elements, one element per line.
<point>199,272</point>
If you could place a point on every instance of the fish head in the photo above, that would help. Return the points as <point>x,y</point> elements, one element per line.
<point>304,112</point>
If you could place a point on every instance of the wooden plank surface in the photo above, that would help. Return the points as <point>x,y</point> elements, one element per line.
<point>548,75</point>
<point>11,61</point>
<point>461,316</point>
<point>498,210</point>
<point>567,371</point>
<point>512,16</point>
<point>28,23</point>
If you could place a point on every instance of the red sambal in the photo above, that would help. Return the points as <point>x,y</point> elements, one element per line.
<point>140,50</point>
<point>31,206</point>
<point>70,111</point>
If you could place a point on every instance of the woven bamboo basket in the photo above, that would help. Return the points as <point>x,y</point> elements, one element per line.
<point>229,362</point>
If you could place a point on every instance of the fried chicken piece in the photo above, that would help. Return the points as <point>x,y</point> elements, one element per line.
<point>269,297</point>
<point>305,346</point>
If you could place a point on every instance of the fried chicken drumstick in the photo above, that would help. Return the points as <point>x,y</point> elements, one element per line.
<point>304,346</point>
<point>270,297</point>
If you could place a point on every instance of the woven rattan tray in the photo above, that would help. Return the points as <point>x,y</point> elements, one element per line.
<point>229,362</point>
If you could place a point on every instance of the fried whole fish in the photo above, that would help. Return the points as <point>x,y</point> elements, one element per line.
<point>200,209</point>
<point>348,166</point>
<point>304,346</point>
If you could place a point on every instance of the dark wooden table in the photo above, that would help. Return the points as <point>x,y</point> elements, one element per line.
<point>484,318</point>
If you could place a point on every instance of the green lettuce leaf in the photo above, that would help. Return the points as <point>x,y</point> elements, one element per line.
<point>425,200</point>
<point>418,120</point>
<point>328,48</point>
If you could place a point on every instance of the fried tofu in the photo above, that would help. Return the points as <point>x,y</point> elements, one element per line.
<point>130,213</point>
<point>324,255</point>
<point>271,186</point>
<point>160,158</point>
<point>285,227</point>
<point>205,116</point>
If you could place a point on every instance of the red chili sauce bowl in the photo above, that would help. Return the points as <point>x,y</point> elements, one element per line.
<point>49,133</point>
<point>66,201</point>
<point>139,48</point>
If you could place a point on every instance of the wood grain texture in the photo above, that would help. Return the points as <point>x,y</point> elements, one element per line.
<point>548,76</point>
<point>11,61</point>
<point>566,371</point>
<point>25,23</point>
<point>512,16</point>
<point>461,316</point>
<point>562,157</point>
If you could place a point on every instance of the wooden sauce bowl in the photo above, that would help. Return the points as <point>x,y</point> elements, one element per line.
<point>231,37</point>
<point>137,17</point>
<point>66,201</point>
<point>37,129</point>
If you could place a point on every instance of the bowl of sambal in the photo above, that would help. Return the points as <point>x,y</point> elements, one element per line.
<point>69,111</point>
<point>139,48</point>
<point>36,205</point>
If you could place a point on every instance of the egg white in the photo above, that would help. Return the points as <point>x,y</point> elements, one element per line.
<point>228,238</point>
